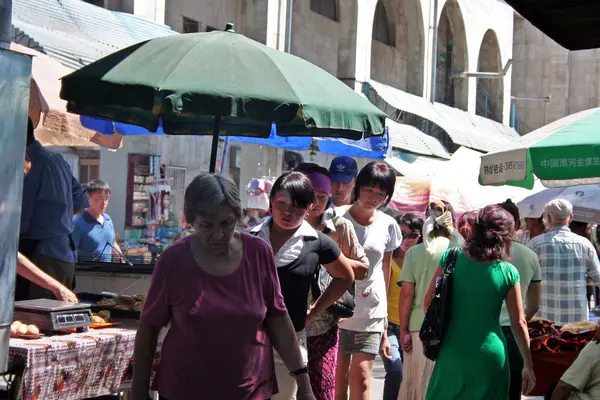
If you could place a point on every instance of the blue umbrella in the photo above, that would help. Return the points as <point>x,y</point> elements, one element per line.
<point>373,147</point>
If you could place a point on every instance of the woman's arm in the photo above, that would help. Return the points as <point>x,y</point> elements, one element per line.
<point>31,272</point>
<point>407,295</point>
<point>343,276</point>
<point>146,339</point>
<point>387,269</point>
<point>427,300</point>
<point>284,340</point>
<point>518,324</point>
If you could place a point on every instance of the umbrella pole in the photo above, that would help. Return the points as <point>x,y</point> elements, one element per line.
<point>215,145</point>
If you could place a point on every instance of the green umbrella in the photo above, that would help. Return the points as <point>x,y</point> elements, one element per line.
<point>219,83</point>
<point>563,153</point>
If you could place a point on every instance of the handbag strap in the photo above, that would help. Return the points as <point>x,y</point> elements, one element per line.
<point>450,264</point>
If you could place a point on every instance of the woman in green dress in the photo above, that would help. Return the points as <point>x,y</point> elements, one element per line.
<point>473,362</point>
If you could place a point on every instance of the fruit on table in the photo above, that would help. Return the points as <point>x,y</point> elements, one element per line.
<point>19,328</point>
<point>33,330</point>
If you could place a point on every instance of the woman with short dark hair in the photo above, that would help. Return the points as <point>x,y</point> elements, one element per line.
<point>472,363</point>
<point>299,250</point>
<point>364,335</point>
<point>219,292</point>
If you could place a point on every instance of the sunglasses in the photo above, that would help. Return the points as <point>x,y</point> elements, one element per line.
<point>411,236</point>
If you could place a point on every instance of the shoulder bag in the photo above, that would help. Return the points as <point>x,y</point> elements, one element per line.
<point>438,314</point>
<point>344,306</point>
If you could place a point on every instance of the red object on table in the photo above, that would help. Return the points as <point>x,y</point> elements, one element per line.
<point>549,368</point>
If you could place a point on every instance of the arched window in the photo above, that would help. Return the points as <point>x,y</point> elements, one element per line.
<point>327,8</point>
<point>382,29</point>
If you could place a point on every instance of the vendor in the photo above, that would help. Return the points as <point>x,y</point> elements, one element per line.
<point>94,233</point>
<point>51,196</point>
<point>32,273</point>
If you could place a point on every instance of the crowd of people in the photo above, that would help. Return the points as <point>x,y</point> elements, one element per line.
<point>300,304</point>
<point>263,313</point>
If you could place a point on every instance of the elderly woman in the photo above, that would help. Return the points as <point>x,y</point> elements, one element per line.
<point>299,250</point>
<point>472,363</point>
<point>322,333</point>
<point>218,290</point>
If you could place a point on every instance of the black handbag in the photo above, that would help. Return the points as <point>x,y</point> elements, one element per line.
<point>344,306</point>
<point>438,314</point>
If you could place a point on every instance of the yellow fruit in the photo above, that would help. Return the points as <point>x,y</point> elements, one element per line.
<point>33,330</point>
<point>22,329</point>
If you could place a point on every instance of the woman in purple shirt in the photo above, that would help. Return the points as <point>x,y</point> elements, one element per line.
<point>219,292</point>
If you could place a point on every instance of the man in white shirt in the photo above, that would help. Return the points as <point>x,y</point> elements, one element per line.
<point>567,260</point>
<point>582,379</point>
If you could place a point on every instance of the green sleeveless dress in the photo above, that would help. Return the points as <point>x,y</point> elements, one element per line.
<point>473,361</point>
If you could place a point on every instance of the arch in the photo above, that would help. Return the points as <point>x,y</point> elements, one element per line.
<point>452,57</point>
<point>490,92</point>
<point>382,29</point>
<point>327,8</point>
<point>400,62</point>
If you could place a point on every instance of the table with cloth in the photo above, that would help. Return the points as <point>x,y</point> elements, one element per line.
<point>75,366</point>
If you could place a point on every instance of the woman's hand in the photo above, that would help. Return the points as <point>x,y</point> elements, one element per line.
<point>528,380</point>
<point>310,315</point>
<point>360,270</point>
<point>385,349</point>
<point>64,294</point>
<point>406,341</point>
<point>304,391</point>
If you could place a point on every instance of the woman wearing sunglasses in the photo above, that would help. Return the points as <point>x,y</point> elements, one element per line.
<point>410,225</point>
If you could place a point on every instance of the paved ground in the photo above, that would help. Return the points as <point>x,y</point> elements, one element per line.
<point>379,375</point>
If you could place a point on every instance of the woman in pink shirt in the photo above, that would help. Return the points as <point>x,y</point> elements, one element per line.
<point>219,292</point>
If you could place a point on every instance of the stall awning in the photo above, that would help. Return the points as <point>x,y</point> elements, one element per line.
<point>75,32</point>
<point>571,23</point>
<point>464,129</point>
<point>408,138</point>
<point>415,166</point>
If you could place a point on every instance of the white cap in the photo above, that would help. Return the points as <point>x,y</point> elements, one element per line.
<point>559,209</point>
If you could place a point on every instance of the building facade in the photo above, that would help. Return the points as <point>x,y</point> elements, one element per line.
<point>388,42</point>
<point>549,81</point>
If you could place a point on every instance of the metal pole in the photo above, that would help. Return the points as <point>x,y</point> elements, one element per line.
<point>288,26</point>
<point>513,115</point>
<point>215,145</point>
<point>434,51</point>
<point>225,154</point>
<point>5,23</point>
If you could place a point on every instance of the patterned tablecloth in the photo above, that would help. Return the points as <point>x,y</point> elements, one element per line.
<point>75,366</point>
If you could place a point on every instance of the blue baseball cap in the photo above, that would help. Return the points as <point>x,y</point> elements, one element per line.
<point>343,169</point>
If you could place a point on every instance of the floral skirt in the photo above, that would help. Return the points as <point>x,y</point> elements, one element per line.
<point>322,360</point>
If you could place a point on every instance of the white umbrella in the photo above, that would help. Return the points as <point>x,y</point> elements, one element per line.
<point>585,200</point>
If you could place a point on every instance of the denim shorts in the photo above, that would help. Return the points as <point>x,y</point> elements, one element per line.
<point>359,342</point>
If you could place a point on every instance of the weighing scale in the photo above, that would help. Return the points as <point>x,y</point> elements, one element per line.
<point>53,315</point>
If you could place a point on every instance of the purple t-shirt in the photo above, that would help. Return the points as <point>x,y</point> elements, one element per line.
<point>217,345</point>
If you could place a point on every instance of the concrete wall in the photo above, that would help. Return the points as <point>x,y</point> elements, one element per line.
<point>544,68</point>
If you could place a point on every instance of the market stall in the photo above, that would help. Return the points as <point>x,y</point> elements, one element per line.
<point>56,364</point>
<point>554,350</point>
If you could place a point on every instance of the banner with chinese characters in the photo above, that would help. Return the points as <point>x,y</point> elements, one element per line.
<point>503,167</point>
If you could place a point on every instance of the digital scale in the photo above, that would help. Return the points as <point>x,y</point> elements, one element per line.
<point>53,315</point>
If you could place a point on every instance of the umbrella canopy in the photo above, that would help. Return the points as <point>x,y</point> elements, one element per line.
<point>585,200</point>
<point>219,82</point>
<point>573,24</point>
<point>563,153</point>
